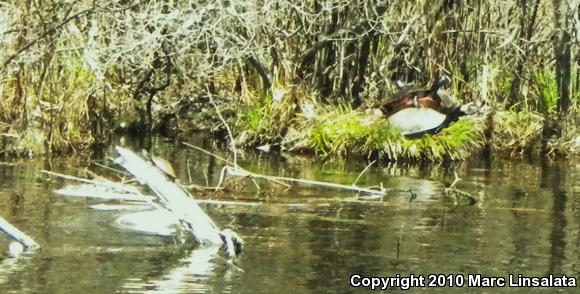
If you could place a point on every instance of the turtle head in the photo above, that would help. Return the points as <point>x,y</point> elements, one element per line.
<point>447,100</point>
<point>443,82</point>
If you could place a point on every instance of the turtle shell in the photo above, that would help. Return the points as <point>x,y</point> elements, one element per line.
<point>408,96</point>
<point>409,91</point>
<point>164,166</point>
<point>415,121</point>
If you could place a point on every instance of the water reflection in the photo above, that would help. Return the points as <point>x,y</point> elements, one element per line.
<point>189,274</point>
<point>306,239</point>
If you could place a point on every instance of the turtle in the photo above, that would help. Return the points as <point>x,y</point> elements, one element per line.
<point>161,164</point>
<point>425,111</point>
<point>410,96</point>
<point>164,166</point>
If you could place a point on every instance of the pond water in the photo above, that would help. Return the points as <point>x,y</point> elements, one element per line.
<point>304,239</point>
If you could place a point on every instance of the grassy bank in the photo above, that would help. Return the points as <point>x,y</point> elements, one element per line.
<point>73,73</point>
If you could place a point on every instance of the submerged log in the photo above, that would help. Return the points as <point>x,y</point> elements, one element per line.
<point>17,234</point>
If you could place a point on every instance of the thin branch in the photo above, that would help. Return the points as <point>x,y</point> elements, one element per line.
<point>189,171</point>
<point>230,134</point>
<point>110,168</point>
<point>455,181</point>
<point>111,185</point>
<point>241,172</point>
<point>362,172</point>
<point>208,153</point>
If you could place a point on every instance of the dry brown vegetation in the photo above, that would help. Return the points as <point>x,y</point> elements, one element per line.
<point>73,71</point>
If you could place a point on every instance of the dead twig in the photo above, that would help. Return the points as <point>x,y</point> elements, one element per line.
<point>108,184</point>
<point>230,134</point>
<point>459,196</point>
<point>207,152</point>
<point>110,168</point>
<point>362,172</point>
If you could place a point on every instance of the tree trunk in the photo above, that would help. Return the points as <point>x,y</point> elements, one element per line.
<point>562,53</point>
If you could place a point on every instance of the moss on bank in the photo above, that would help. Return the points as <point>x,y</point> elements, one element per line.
<point>354,133</point>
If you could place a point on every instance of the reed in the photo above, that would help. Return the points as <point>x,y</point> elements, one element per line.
<point>71,73</point>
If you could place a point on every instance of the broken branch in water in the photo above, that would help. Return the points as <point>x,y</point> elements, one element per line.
<point>17,235</point>
<point>241,172</point>
<point>107,184</point>
<point>459,196</point>
<point>455,181</point>
<point>89,191</point>
<point>362,172</point>
<point>169,195</point>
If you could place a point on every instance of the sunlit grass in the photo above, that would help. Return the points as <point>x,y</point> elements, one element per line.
<point>516,131</point>
<point>264,120</point>
<point>548,90</point>
<point>353,133</point>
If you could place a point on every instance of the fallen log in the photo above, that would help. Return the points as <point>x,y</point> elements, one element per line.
<point>169,198</point>
<point>172,197</point>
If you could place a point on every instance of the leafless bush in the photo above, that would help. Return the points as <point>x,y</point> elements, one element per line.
<point>125,55</point>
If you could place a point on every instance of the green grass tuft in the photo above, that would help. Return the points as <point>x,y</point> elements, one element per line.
<point>517,131</point>
<point>354,133</point>
<point>548,90</point>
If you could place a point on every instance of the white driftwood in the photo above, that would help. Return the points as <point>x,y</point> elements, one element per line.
<point>17,234</point>
<point>105,184</point>
<point>89,191</point>
<point>240,172</point>
<point>172,197</point>
<point>120,207</point>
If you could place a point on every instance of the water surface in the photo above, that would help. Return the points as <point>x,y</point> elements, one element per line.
<point>303,239</point>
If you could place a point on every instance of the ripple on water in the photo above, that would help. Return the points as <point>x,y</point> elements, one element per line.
<point>305,239</point>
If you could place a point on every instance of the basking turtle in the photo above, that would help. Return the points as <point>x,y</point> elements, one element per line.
<point>414,122</point>
<point>410,96</point>
<point>419,111</point>
<point>164,166</point>
<point>161,164</point>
